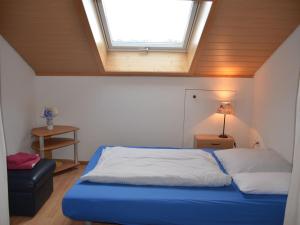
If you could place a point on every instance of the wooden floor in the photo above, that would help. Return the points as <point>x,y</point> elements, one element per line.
<point>51,212</point>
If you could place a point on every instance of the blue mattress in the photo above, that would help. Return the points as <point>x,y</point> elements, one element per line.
<point>154,205</point>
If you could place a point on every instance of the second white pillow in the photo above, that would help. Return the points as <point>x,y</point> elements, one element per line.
<point>242,160</point>
<point>263,183</point>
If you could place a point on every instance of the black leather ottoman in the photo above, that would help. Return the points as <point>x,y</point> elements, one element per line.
<point>29,189</point>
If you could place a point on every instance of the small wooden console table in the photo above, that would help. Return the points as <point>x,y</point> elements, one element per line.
<point>44,144</point>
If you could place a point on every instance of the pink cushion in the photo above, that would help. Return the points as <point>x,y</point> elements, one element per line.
<point>22,160</point>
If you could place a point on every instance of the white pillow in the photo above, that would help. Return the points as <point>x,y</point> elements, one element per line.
<point>263,183</point>
<point>242,160</point>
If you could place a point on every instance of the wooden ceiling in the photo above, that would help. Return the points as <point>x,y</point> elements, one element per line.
<point>238,38</point>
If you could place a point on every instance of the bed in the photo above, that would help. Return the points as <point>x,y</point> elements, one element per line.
<point>157,205</point>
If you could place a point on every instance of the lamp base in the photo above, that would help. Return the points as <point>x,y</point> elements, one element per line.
<point>223,136</point>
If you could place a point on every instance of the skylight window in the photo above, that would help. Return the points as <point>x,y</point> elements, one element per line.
<point>147,24</point>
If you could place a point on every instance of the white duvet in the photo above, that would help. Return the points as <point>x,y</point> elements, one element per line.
<point>165,167</point>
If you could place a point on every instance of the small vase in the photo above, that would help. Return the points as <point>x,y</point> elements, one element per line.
<point>50,124</point>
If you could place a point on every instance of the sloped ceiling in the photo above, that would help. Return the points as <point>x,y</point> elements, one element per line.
<point>238,38</point>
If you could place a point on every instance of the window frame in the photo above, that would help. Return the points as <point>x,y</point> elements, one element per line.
<point>163,47</point>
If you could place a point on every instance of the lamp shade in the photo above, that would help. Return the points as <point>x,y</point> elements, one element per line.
<point>225,108</point>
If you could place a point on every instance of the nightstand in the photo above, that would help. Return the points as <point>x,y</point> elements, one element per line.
<point>213,141</point>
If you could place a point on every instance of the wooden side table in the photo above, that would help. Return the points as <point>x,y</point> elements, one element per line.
<point>213,141</point>
<point>45,143</point>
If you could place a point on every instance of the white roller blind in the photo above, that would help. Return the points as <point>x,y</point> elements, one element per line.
<point>292,213</point>
<point>4,213</point>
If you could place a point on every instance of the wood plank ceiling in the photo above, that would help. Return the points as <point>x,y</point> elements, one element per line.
<point>238,38</point>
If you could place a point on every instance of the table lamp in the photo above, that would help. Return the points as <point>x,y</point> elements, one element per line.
<point>225,108</point>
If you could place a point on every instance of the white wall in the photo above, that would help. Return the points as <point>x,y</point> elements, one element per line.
<point>4,211</point>
<point>145,111</point>
<point>275,91</point>
<point>131,110</point>
<point>17,97</point>
<point>201,116</point>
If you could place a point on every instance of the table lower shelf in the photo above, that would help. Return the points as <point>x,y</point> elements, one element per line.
<point>64,164</point>
<point>54,144</point>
